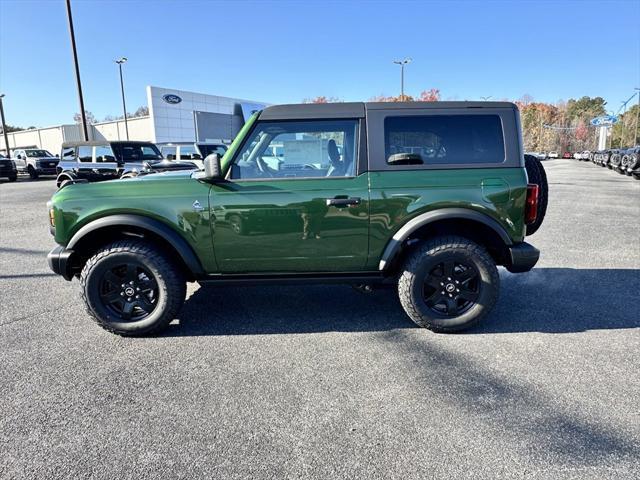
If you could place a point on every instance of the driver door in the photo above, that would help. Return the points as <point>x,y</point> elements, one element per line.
<point>293,201</point>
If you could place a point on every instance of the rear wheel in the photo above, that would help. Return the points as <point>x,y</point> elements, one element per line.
<point>537,175</point>
<point>131,288</point>
<point>13,178</point>
<point>448,284</point>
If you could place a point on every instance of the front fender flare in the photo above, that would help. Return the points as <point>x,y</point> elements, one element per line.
<point>395,244</point>
<point>180,245</point>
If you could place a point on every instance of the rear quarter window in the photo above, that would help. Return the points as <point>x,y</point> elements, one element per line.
<point>445,139</point>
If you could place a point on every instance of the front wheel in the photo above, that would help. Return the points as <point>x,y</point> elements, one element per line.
<point>448,284</point>
<point>33,173</point>
<point>131,288</point>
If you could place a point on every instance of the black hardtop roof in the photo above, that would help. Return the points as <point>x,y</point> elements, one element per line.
<point>95,143</point>
<point>304,111</point>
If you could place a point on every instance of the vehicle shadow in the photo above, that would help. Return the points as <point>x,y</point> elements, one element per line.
<point>565,300</point>
<point>549,300</point>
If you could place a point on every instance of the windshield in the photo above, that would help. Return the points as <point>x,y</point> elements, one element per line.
<point>136,152</point>
<point>38,153</point>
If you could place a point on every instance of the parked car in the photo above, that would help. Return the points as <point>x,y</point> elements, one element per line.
<point>630,160</point>
<point>368,215</point>
<point>107,160</point>
<point>35,161</point>
<point>553,154</point>
<point>539,155</point>
<point>193,152</point>
<point>586,155</point>
<point>615,161</point>
<point>8,168</point>
<point>567,155</point>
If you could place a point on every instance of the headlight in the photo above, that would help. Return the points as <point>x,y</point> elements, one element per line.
<point>52,218</point>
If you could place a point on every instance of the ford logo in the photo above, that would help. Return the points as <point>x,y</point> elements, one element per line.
<point>604,120</point>
<point>171,98</point>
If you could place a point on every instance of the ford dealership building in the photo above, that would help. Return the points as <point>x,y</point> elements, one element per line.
<point>174,116</point>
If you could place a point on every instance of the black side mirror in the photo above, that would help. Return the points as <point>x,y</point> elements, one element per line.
<point>212,168</point>
<point>405,159</point>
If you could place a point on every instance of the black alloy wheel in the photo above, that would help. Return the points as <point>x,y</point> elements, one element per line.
<point>452,287</point>
<point>129,291</point>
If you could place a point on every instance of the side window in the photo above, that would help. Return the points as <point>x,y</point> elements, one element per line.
<point>302,149</point>
<point>104,154</point>
<point>69,154</point>
<point>444,140</point>
<point>188,152</point>
<point>169,152</point>
<point>85,153</point>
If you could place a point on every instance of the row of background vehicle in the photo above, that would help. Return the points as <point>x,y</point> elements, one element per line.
<point>625,161</point>
<point>106,160</point>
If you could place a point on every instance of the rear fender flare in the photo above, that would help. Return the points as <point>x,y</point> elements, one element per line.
<point>395,244</point>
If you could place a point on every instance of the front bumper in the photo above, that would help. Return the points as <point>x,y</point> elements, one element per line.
<point>522,257</point>
<point>59,260</point>
<point>47,171</point>
<point>8,171</point>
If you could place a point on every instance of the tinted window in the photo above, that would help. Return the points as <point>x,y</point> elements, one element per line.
<point>104,154</point>
<point>38,153</point>
<point>85,154</point>
<point>304,149</point>
<point>136,152</point>
<point>69,153</point>
<point>444,139</point>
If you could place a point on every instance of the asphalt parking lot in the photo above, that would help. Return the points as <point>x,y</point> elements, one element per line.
<point>324,382</point>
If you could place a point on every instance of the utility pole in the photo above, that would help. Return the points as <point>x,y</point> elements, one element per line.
<point>77,68</point>
<point>4,126</point>
<point>124,105</point>
<point>402,63</point>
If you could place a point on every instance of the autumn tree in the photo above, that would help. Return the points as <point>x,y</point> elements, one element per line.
<point>90,117</point>
<point>623,132</point>
<point>431,95</point>
<point>322,99</point>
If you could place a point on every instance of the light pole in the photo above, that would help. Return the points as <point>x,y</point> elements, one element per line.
<point>120,61</point>
<point>4,125</point>
<point>83,116</point>
<point>622,129</point>
<point>402,63</point>
<point>635,137</point>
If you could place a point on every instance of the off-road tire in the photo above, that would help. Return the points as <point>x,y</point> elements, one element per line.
<point>537,175</point>
<point>33,174</point>
<point>420,262</point>
<point>171,287</point>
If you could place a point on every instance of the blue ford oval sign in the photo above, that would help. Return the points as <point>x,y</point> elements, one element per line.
<point>171,98</point>
<point>604,120</point>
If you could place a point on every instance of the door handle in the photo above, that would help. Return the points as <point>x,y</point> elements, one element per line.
<point>342,202</point>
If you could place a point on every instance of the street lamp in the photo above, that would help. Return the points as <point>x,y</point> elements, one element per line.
<point>4,125</point>
<point>83,115</point>
<point>120,61</point>
<point>402,63</point>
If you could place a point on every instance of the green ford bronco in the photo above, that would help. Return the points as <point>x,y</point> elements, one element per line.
<point>430,197</point>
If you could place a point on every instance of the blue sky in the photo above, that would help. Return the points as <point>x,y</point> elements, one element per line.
<point>283,52</point>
